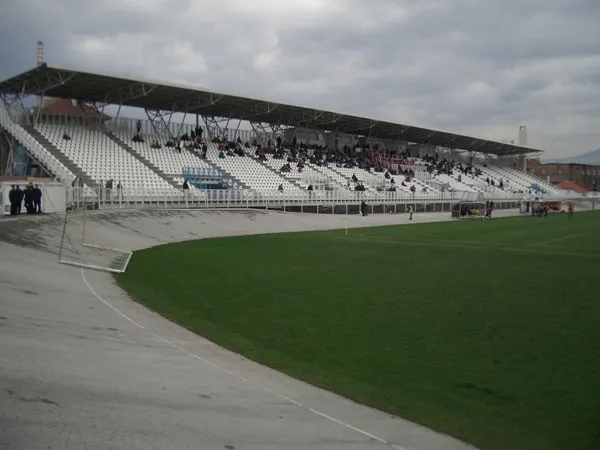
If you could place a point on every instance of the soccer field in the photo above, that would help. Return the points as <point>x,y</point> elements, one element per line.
<point>486,330</point>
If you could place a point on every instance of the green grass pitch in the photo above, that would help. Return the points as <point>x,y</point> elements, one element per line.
<point>486,330</point>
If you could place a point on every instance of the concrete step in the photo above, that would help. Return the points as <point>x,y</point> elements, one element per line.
<point>141,159</point>
<point>220,169</point>
<point>279,174</point>
<point>50,147</point>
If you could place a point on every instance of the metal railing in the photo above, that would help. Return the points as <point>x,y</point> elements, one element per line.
<point>142,198</point>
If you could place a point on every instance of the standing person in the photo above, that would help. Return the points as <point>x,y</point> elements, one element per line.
<point>28,192</point>
<point>18,198</point>
<point>120,191</point>
<point>571,210</point>
<point>12,197</point>
<point>37,199</point>
<point>363,208</point>
<point>410,211</point>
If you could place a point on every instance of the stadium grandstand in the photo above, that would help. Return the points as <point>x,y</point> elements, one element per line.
<point>231,149</point>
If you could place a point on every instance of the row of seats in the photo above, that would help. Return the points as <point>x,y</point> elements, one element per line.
<point>103,159</point>
<point>249,171</point>
<point>309,175</point>
<point>100,157</point>
<point>170,160</point>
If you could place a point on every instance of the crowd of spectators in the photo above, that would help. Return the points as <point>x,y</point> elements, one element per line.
<point>295,155</point>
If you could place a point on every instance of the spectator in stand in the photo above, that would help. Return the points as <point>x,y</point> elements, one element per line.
<point>138,126</point>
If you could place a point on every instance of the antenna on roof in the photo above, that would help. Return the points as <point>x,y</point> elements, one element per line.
<point>40,53</point>
<point>39,63</point>
<point>523,136</point>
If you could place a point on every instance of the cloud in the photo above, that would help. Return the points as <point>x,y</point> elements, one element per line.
<point>480,68</point>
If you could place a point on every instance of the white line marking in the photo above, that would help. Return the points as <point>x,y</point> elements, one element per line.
<point>564,238</point>
<point>527,250</point>
<point>108,304</point>
<point>239,377</point>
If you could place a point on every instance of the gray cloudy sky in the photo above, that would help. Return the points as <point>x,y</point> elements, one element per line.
<point>480,67</point>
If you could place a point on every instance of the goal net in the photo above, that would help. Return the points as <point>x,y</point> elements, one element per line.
<point>81,248</point>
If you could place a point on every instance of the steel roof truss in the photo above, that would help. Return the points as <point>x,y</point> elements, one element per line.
<point>128,93</point>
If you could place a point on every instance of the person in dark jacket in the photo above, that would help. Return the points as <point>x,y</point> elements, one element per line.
<point>12,197</point>
<point>28,193</point>
<point>18,199</point>
<point>363,208</point>
<point>37,199</point>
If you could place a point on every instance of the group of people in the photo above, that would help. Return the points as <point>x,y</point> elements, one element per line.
<point>30,197</point>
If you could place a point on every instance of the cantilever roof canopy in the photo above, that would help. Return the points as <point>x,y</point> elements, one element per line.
<point>93,87</point>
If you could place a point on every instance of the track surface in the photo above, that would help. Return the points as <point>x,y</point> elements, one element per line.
<point>82,366</point>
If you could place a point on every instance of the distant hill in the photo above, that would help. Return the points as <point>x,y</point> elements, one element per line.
<point>592,158</point>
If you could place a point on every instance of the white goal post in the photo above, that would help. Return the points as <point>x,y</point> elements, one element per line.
<point>76,250</point>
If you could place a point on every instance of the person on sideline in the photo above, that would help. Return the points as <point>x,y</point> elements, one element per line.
<point>571,210</point>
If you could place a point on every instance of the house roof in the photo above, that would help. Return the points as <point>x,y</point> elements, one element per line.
<point>70,108</point>
<point>569,185</point>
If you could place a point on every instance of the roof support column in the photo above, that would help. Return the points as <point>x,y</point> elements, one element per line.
<point>299,126</point>
<point>216,127</point>
<point>13,165</point>
<point>15,105</point>
<point>181,128</point>
<point>98,107</point>
<point>237,130</point>
<point>161,124</point>
<point>8,165</point>
<point>266,133</point>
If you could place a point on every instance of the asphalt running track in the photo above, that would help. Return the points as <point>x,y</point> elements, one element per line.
<point>84,367</point>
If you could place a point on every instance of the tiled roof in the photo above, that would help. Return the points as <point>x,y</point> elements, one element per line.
<point>572,186</point>
<point>70,108</point>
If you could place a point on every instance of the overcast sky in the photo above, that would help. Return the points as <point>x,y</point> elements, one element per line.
<point>480,67</point>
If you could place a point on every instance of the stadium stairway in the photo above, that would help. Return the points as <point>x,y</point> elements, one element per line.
<point>141,159</point>
<point>60,156</point>
<point>280,174</point>
<point>327,171</point>
<point>220,169</point>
